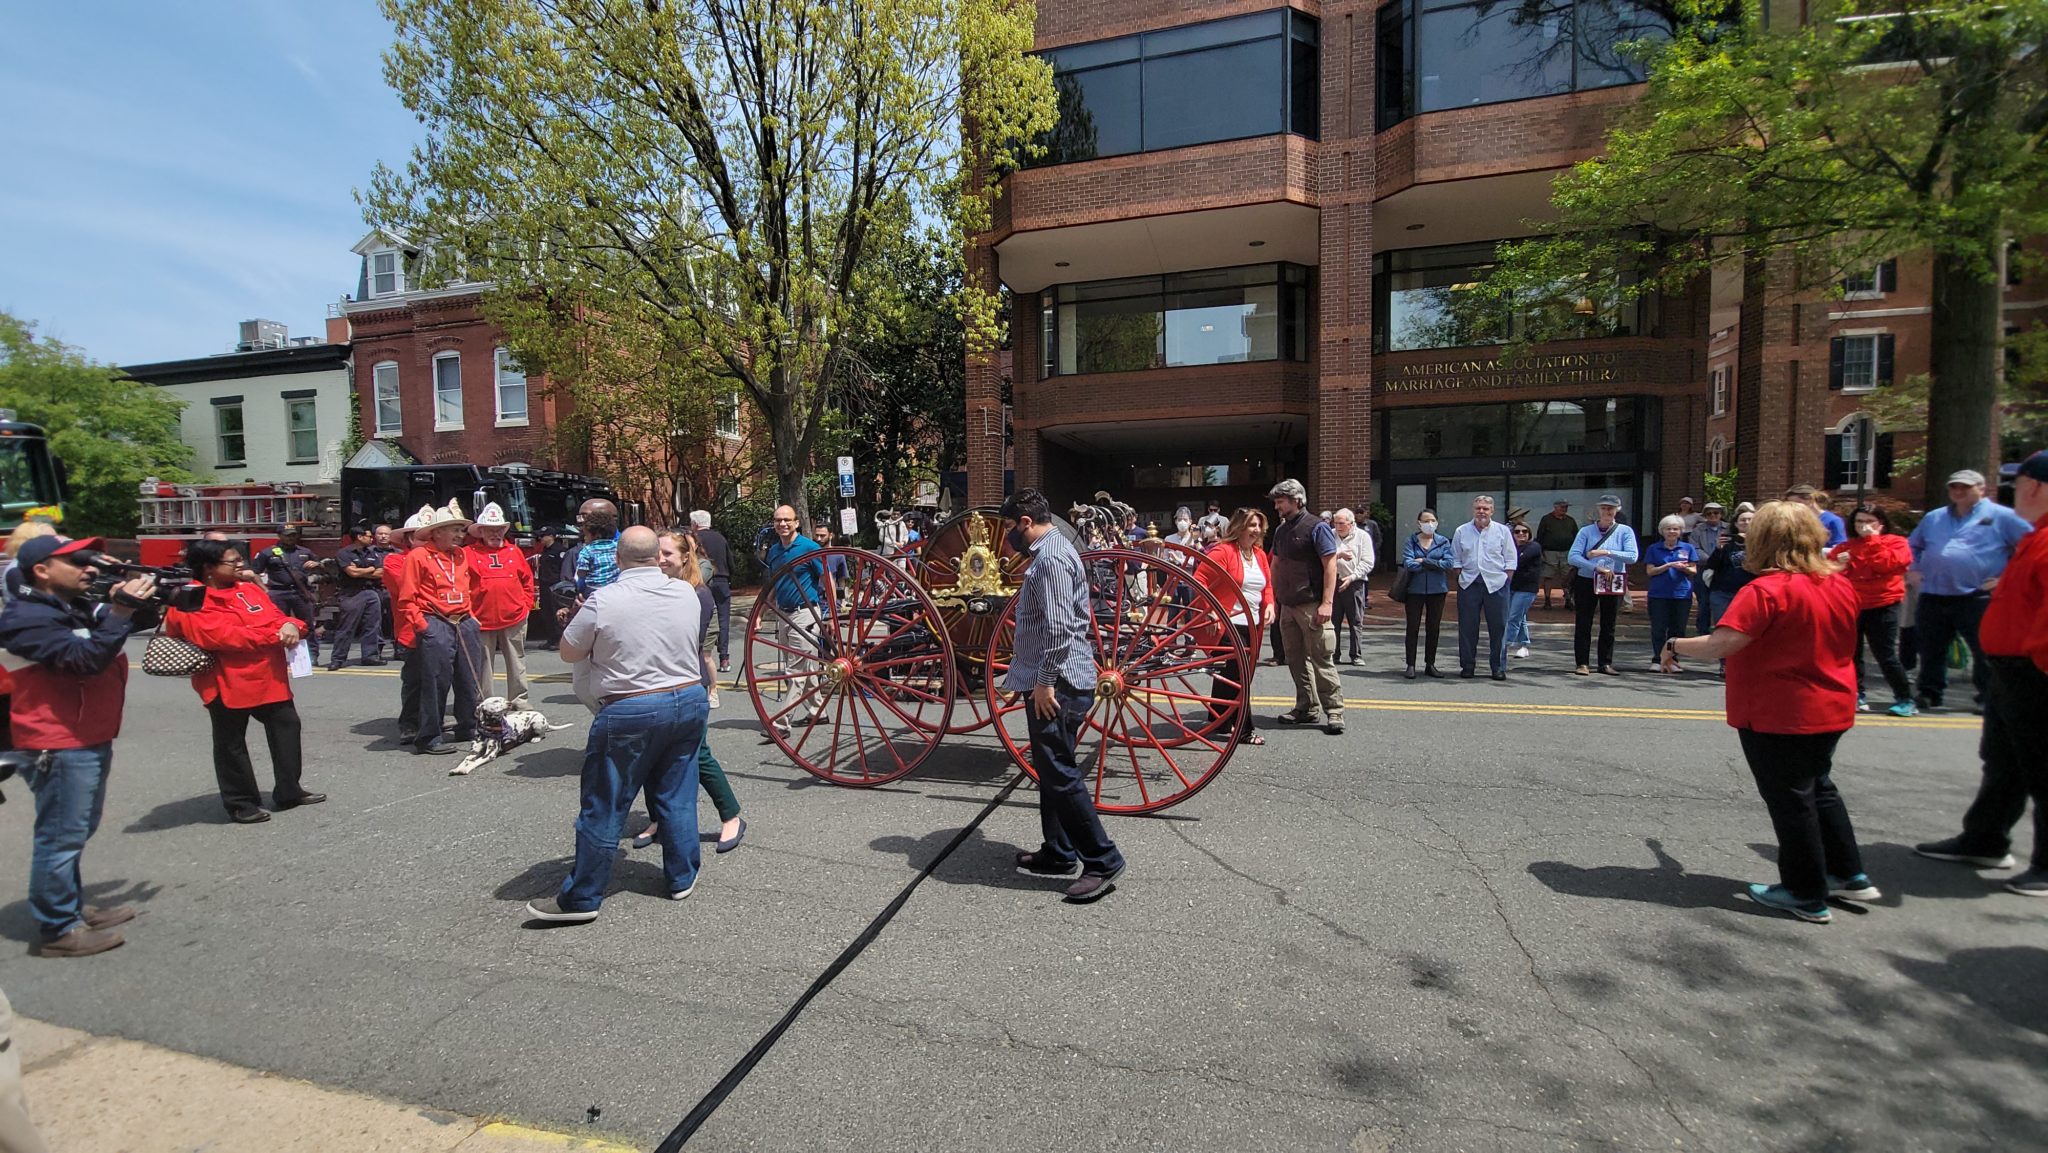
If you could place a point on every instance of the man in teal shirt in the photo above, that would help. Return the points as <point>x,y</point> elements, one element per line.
<point>801,589</point>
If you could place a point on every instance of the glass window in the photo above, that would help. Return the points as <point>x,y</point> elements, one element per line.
<point>1215,316</point>
<point>1604,30</point>
<point>384,278</point>
<point>230,445</point>
<point>1216,94</point>
<point>1434,433</point>
<point>1395,69</point>
<point>1098,114</point>
<point>1436,54</point>
<point>1212,33</point>
<point>511,388</point>
<point>385,383</point>
<point>1432,298</point>
<point>729,416</point>
<point>1304,83</point>
<point>448,390</point>
<point>302,430</point>
<point>1859,363</point>
<point>1574,426</point>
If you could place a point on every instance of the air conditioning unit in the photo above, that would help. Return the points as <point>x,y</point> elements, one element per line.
<point>262,334</point>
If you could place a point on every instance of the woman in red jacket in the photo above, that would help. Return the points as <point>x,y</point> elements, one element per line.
<point>247,636</point>
<point>1877,563</point>
<point>1242,579</point>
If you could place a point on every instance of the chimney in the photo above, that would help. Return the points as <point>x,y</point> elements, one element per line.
<point>261,334</point>
<point>337,329</point>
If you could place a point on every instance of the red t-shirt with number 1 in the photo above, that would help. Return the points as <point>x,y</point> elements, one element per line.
<point>1798,673</point>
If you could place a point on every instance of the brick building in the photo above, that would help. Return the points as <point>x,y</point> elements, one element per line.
<point>1241,259</point>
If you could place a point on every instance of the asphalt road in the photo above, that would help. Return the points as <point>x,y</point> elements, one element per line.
<point>1491,917</point>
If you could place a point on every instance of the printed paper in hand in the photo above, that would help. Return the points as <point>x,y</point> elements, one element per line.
<point>299,659</point>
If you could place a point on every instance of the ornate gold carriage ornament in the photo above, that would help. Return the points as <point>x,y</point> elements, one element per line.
<point>981,573</point>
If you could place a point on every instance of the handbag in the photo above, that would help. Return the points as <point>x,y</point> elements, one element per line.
<point>1609,582</point>
<point>1398,593</point>
<point>169,656</point>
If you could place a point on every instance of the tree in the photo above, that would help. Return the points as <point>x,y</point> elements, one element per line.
<point>727,165</point>
<point>908,422</point>
<point>1862,134</point>
<point>110,431</point>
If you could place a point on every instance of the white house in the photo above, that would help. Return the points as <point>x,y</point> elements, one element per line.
<point>275,410</point>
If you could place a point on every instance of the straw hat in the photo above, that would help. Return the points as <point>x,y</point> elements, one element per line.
<point>491,517</point>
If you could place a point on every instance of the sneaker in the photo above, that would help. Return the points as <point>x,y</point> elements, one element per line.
<point>2032,883</point>
<point>1093,886</point>
<point>438,747</point>
<point>1856,888</point>
<point>1294,718</point>
<point>550,909</point>
<point>724,665</point>
<point>1522,652</point>
<point>1656,666</point>
<point>1039,865</point>
<point>1953,849</point>
<point>81,942</point>
<point>781,729</point>
<point>1780,898</point>
<point>1904,709</point>
<point>1862,704</point>
<point>680,894</point>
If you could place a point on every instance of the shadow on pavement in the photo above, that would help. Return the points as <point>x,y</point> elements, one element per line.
<point>204,809</point>
<point>560,761</point>
<point>1665,883</point>
<point>2005,982</point>
<point>978,860</point>
<point>18,924</point>
<point>630,874</point>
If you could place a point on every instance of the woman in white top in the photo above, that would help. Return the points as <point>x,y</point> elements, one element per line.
<point>1242,579</point>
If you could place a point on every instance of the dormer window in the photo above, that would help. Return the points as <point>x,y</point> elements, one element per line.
<point>387,273</point>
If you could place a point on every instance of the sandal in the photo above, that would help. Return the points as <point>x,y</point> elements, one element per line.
<point>1254,739</point>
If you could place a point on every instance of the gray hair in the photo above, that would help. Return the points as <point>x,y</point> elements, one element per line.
<point>1672,521</point>
<point>700,519</point>
<point>1345,514</point>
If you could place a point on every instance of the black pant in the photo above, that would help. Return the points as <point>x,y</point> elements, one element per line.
<point>1878,629</point>
<point>1667,620</point>
<point>1419,604</point>
<point>231,767</point>
<point>2015,764</point>
<point>408,690</point>
<point>1230,680</point>
<point>451,656</point>
<point>721,600</point>
<point>1349,608</point>
<point>361,619</point>
<point>1476,604</point>
<point>291,604</point>
<point>1815,839</point>
<point>1279,649</point>
<point>1940,620</point>
<point>1585,603</point>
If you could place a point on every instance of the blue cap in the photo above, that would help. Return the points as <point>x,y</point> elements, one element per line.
<point>2035,467</point>
<point>1609,498</point>
<point>37,549</point>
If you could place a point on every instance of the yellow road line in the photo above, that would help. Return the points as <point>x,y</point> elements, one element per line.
<point>1611,712</point>
<point>548,1137</point>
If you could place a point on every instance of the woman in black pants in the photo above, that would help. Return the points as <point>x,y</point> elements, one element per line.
<point>1600,558</point>
<point>1242,581</point>
<point>1789,639</point>
<point>1427,557</point>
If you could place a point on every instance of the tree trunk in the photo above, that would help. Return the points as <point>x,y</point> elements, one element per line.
<point>1963,396</point>
<point>792,449</point>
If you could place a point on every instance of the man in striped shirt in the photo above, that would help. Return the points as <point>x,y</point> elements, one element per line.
<point>1052,659</point>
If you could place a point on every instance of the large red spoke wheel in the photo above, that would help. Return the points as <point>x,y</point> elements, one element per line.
<point>1169,691</point>
<point>852,677</point>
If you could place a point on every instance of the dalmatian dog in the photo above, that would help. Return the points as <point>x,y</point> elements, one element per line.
<point>500,727</point>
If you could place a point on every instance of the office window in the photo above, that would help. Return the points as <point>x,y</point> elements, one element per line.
<point>1720,394</point>
<point>511,389</point>
<point>387,273</point>
<point>230,444</point>
<point>302,431</point>
<point>384,383</point>
<point>1227,79</point>
<point>729,416</point>
<point>448,391</point>
<point>1437,54</point>
<point>1215,316</point>
<point>1432,298</point>
<point>1859,363</point>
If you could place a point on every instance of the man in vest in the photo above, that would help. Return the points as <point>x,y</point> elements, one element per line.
<point>1304,585</point>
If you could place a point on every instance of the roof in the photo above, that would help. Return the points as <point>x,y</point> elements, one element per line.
<point>238,365</point>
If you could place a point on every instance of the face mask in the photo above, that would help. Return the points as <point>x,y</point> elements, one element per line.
<point>1429,527</point>
<point>1182,525</point>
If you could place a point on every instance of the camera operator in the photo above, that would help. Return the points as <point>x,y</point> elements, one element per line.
<point>287,569</point>
<point>66,712</point>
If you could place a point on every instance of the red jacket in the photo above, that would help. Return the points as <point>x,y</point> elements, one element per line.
<point>68,693</point>
<point>394,583</point>
<point>504,585</point>
<point>1877,568</point>
<point>239,626</point>
<point>2015,623</point>
<point>1219,574</point>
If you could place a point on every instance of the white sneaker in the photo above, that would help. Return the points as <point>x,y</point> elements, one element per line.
<point>1656,666</point>
<point>1523,651</point>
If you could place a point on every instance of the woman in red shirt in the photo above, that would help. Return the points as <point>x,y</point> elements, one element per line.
<point>1242,579</point>
<point>1877,562</point>
<point>1788,639</point>
<point>247,636</point>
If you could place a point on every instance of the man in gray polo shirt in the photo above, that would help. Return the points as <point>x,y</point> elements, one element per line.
<point>639,637</point>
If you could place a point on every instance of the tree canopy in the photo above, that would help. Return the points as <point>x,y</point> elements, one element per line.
<point>1865,133</point>
<point>719,170</point>
<point>110,431</point>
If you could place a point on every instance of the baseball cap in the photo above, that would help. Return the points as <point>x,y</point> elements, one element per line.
<point>1967,476</point>
<point>1609,499</point>
<point>2035,467</point>
<point>37,549</point>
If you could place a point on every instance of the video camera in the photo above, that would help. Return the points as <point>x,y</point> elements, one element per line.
<point>176,587</point>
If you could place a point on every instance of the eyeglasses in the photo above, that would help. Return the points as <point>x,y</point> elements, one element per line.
<point>785,520</point>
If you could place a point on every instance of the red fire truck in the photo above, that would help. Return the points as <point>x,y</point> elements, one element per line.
<point>175,515</point>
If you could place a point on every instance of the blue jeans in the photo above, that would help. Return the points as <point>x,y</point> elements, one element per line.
<point>645,742</point>
<point>1066,813</point>
<point>1518,617</point>
<point>71,792</point>
<point>1474,603</point>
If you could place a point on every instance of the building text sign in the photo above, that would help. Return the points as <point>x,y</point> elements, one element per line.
<point>1550,369</point>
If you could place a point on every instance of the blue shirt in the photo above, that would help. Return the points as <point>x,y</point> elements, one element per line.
<point>1955,555</point>
<point>597,565</point>
<point>1054,640</point>
<point>804,585</point>
<point>1671,584</point>
<point>1622,544</point>
<point>1837,531</point>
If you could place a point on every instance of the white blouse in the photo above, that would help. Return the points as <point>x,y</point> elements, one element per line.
<point>1253,581</point>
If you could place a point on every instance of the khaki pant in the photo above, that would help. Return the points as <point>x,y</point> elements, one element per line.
<point>509,647</point>
<point>16,1134</point>
<point>1311,652</point>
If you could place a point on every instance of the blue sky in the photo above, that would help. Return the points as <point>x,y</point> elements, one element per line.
<point>173,168</point>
